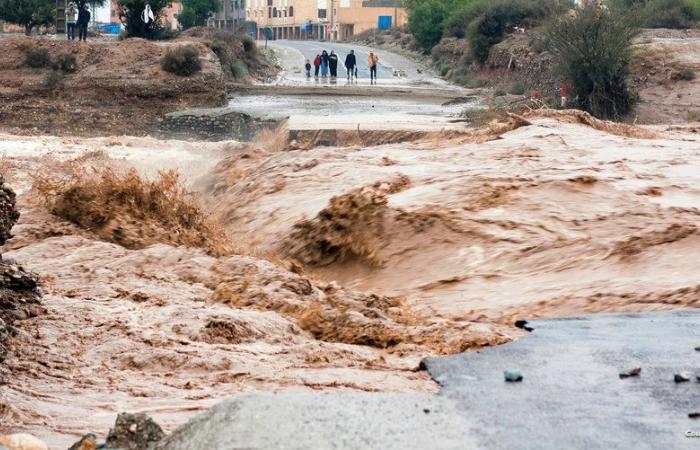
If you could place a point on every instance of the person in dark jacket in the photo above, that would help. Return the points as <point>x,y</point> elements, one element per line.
<point>317,65</point>
<point>333,64</point>
<point>350,63</point>
<point>307,67</point>
<point>83,22</point>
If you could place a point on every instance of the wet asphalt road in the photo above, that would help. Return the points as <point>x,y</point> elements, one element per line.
<point>294,53</point>
<point>571,397</point>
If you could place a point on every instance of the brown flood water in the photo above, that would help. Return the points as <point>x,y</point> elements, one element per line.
<point>551,219</point>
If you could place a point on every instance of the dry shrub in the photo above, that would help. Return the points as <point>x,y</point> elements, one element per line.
<point>131,211</point>
<point>182,60</point>
<point>351,226</point>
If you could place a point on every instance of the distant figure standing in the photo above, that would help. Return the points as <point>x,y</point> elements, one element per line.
<point>563,92</point>
<point>333,64</point>
<point>324,64</point>
<point>83,22</point>
<point>148,21</point>
<point>307,66</point>
<point>372,61</point>
<point>71,20</point>
<point>350,63</point>
<point>317,65</point>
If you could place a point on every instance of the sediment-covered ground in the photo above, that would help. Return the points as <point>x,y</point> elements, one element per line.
<point>351,263</point>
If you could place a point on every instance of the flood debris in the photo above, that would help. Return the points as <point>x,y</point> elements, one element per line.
<point>634,372</point>
<point>134,432</point>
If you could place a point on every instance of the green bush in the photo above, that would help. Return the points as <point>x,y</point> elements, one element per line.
<point>239,70</point>
<point>66,63</point>
<point>182,60</point>
<point>456,25</point>
<point>426,19</point>
<point>678,14</point>
<point>591,52</point>
<point>495,18</point>
<point>517,88</point>
<point>499,92</point>
<point>36,57</point>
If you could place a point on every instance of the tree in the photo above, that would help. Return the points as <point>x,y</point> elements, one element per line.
<point>130,15</point>
<point>426,19</point>
<point>28,13</point>
<point>591,51</point>
<point>196,12</point>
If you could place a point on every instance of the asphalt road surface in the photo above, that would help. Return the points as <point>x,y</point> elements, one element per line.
<point>571,397</point>
<point>293,55</point>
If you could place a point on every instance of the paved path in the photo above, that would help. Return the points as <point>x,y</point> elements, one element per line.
<point>293,55</point>
<point>571,397</point>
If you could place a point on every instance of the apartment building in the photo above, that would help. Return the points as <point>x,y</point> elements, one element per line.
<point>322,19</point>
<point>231,16</point>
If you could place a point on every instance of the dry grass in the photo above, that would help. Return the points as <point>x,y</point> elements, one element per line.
<point>129,210</point>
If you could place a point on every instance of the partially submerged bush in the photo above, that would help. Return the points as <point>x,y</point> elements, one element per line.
<point>592,51</point>
<point>66,63</point>
<point>129,210</point>
<point>36,57</point>
<point>182,60</point>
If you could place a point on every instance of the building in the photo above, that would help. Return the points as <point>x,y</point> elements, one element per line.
<point>231,17</point>
<point>322,19</point>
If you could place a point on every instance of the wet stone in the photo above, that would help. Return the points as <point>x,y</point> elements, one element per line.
<point>681,377</point>
<point>694,415</point>
<point>513,376</point>
<point>134,432</point>
<point>631,373</point>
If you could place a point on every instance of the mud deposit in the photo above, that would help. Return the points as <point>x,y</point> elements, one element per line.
<point>350,263</point>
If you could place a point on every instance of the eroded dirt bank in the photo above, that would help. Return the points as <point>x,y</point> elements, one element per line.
<point>381,255</point>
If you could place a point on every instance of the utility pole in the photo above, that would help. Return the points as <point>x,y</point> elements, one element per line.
<point>332,22</point>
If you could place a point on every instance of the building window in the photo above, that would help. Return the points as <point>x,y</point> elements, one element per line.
<point>269,12</point>
<point>321,13</point>
<point>269,2</point>
<point>274,12</point>
<point>291,11</point>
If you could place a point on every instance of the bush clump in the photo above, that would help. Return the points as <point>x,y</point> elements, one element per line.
<point>66,63</point>
<point>36,57</point>
<point>182,60</point>
<point>239,70</point>
<point>679,14</point>
<point>592,51</point>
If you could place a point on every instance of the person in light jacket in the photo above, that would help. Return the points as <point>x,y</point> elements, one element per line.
<point>372,61</point>
<point>71,20</point>
<point>148,21</point>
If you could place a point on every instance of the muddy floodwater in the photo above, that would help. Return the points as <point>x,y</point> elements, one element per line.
<point>354,263</point>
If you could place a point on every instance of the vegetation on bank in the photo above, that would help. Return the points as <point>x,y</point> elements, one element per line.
<point>586,49</point>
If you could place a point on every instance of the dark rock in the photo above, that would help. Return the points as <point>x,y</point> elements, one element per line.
<point>522,324</point>
<point>681,377</point>
<point>87,442</point>
<point>694,415</point>
<point>134,432</point>
<point>513,376</point>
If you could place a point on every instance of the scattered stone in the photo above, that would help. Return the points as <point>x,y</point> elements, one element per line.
<point>87,442</point>
<point>631,373</point>
<point>513,376</point>
<point>681,377</point>
<point>426,410</point>
<point>522,324</point>
<point>22,441</point>
<point>134,432</point>
<point>694,415</point>
<point>697,349</point>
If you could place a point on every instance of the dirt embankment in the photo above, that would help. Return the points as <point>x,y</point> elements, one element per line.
<point>118,87</point>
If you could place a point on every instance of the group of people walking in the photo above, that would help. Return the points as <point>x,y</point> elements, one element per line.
<point>79,19</point>
<point>326,63</point>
